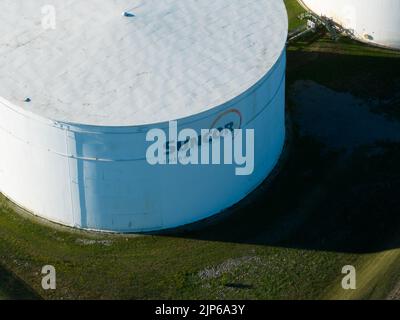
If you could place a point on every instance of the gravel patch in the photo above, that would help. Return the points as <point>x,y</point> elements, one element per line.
<point>87,242</point>
<point>227,266</point>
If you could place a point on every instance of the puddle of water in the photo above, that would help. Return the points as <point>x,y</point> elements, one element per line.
<point>340,120</point>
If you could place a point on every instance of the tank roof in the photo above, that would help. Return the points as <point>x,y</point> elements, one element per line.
<point>134,62</point>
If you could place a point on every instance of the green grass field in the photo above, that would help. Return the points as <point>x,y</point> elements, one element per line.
<point>325,209</point>
<point>294,10</point>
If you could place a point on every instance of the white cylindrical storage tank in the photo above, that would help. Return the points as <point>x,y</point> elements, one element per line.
<point>372,21</point>
<point>82,83</point>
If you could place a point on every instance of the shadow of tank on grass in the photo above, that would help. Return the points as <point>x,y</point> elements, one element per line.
<point>12,288</point>
<point>338,189</point>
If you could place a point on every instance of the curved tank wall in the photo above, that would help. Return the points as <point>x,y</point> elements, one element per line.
<point>373,21</point>
<point>97,177</point>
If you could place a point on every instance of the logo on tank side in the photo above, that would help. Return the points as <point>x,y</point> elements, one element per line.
<point>224,143</point>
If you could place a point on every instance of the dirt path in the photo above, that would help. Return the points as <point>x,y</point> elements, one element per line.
<point>395,295</point>
<point>373,277</point>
